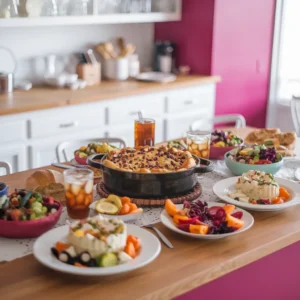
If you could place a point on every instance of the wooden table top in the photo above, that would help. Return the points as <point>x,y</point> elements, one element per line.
<point>176,271</point>
<point>40,98</point>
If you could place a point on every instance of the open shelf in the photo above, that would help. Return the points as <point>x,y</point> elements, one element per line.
<point>91,19</point>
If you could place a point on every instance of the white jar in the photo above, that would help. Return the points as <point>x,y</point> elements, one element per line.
<point>116,69</point>
<point>134,66</point>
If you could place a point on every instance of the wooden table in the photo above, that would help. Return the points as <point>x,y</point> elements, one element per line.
<point>176,271</point>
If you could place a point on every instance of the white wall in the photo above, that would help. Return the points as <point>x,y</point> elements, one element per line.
<point>30,45</point>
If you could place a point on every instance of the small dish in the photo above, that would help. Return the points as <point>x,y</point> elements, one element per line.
<point>150,249</point>
<point>125,218</point>
<point>167,220</point>
<point>223,187</point>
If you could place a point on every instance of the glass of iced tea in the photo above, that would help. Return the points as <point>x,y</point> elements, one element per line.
<point>144,132</point>
<point>79,192</point>
<point>199,143</point>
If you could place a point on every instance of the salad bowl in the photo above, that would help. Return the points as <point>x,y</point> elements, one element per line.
<point>239,161</point>
<point>30,228</point>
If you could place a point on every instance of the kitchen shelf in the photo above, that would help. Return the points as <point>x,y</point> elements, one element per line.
<point>91,19</point>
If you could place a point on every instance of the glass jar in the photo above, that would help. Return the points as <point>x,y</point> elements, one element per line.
<point>199,143</point>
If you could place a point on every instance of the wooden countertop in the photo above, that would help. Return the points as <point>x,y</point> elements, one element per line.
<point>45,97</point>
<point>176,271</point>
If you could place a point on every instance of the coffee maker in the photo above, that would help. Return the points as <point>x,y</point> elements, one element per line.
<point>164,57</point>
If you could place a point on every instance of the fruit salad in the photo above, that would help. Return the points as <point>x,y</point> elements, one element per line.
<point>24,205</point>
<point>198,218</point>
<point>97,242</point>
<point>258,187</point>
<point>221,138</point>
<point>256,155</point>
<point>93,148</point>
<point>114,205</point>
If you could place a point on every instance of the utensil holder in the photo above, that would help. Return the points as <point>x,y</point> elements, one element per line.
<point>91,73</point>
<point>116,69</point>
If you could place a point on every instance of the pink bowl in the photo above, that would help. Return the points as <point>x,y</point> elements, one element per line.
<point>219,152</point>
<point>80,160</point>
<point>29,229</point>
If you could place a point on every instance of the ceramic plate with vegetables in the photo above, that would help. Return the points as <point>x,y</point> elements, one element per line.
<point>203,220</point>
<point>257,190</point>
<point>97,246</point>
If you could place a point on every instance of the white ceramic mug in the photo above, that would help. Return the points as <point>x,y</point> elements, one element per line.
<point>116,69</point>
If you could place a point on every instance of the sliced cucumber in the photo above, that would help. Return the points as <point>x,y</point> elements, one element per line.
<point>107,260</point>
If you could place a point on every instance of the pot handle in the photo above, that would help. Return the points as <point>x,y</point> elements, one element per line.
<point>95,164</point>
<point>205,166</point>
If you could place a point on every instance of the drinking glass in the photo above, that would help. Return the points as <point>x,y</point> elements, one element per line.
<point>144,132</point>
<point>199,143</point>
<point>79,192</point>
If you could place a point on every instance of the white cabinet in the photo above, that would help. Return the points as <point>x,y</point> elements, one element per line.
<point>178,125</point>
<point>125,110</point>
<point>15,155</point>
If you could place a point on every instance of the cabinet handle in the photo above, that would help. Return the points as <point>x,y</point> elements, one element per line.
<point>188,102</point>
<point>68,125</point>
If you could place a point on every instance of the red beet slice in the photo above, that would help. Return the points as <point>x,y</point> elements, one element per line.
<point>218,213</point>
<point>238,214</point>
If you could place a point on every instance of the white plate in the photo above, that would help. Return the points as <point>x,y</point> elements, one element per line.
<point>225,186</point>
<point>167,220</point>
<point>156,77</point>
<point>125,218</point>
<point>149,251</point>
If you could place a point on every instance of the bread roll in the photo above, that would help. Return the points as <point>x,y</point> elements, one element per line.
<point>43,178</point>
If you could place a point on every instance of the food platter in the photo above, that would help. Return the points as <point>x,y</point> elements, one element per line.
<point>150,250</point>
<point>167,220</point>
<point>222,188</point>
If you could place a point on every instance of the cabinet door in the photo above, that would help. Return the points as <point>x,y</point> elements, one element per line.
<point>43,152</point>
<point>127,133</point>
<point>178,125</point>
<point>15,155</point>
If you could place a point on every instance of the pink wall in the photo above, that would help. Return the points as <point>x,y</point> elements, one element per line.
<point>233,39</point>
<point>193,35</point>
<point>241,54</point>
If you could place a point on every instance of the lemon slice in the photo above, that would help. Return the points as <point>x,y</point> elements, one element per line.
<point>115,200</point>
<point>106,208</point>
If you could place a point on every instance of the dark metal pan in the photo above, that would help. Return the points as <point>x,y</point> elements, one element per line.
<point>150,185</point>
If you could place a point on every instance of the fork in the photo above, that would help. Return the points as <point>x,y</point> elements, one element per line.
<point>147,224</point>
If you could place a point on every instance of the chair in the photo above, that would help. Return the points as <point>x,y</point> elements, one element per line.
<point>208,123</point>
<point>65,150</point>
<point>295,111</point>
<point>6,166</point>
